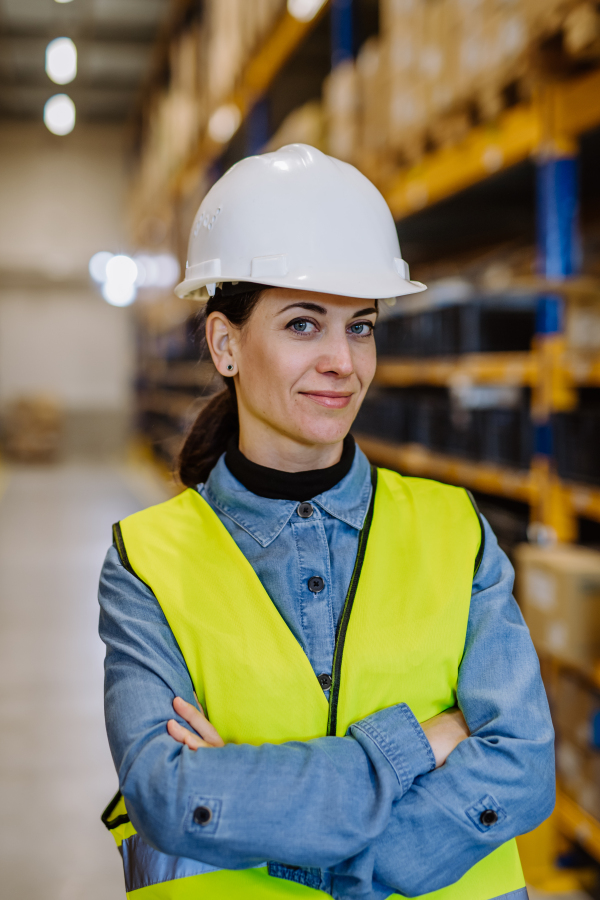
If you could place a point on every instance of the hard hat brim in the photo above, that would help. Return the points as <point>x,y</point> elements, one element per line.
<point>362,287</point>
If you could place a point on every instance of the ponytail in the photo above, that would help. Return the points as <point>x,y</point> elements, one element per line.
<point>218,421</point>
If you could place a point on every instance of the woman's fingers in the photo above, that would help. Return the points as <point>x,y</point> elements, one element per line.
<point>198,721</point>
<point>184,736</point>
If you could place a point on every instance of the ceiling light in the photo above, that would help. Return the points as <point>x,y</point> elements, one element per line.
<point>118,294</point>
<point>304,10</point>
<point>61,60</point>
<point>121,270</point>
<point>97,265</point>
<point>224,123</point>
<point>59,114</point>
<point>63,1</point>
<point>121,276</point>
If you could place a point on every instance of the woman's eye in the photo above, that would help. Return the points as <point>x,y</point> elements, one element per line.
<point>362,329</point>
<point>302,326</point>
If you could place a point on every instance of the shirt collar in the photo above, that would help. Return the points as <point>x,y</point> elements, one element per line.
<point>264,519</point>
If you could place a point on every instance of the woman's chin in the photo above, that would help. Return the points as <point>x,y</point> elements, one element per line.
<point>326,431</point>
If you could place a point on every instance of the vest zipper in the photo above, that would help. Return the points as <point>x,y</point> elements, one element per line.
<point>340,637</point>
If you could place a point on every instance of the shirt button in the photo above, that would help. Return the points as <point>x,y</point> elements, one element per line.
<point>325,681</point>
<point>202,815</point>
<point>488,817</point>
<point>305,510</point>
<point>316,584</point>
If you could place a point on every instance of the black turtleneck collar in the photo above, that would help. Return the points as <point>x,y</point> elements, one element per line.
<point>276,485</point>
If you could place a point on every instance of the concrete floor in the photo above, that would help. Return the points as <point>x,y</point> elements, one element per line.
<point>56,773</point>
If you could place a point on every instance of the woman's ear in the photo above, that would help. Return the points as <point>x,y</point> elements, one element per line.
<point>221,340</point>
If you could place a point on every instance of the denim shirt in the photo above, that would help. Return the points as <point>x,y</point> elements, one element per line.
<point>360,816</point>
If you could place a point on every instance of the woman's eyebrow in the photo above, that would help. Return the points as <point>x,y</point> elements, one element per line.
<point>313,307</point>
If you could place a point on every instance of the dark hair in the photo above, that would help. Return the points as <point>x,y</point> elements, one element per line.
<point>218,421</point>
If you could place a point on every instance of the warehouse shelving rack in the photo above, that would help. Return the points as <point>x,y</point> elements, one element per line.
<point>557,114</point>
<point>552,378</point>
<point>546,128</point>
<point>258,74</point>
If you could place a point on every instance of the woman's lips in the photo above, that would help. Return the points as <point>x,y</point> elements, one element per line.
<point>329,398</point>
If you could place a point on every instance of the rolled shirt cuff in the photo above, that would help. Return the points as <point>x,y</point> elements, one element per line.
<point>399,737</point>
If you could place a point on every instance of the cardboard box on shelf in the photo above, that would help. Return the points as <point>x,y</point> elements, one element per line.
<point>545,17</point>
<point>438,58</point>
<point>575,710</point>
<point>373,108</point>
<point>582,31</point>
<point>506,45</point>
<point>579,774</point>
<point>340,108</point>
<point>33,429</point>
<point>558,588</point>
<point>304,125</point>
<point>405,116</point>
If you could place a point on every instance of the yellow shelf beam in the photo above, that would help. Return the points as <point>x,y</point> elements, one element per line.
<point>577,105</point>
<point>583,370</point>
<point>481,368</point>
<point>577,824</point>
<point>584,500</point>
<point>524,369</point>
<point>561,111</point>
<point>413,459</point>
<point>535,487</point>
<point>482,152</point>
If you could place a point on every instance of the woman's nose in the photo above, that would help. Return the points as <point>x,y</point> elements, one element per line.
<point>337,358</point>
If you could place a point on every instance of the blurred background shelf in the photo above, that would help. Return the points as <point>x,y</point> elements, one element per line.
<point>524,486</point>
<point>515,368</point>
<point>578,825</point>
<point>482,368</point>
<point>568,109</point>
<point>413,459</point>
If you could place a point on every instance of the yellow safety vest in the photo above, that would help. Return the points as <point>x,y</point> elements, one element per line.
<point>410,589</point>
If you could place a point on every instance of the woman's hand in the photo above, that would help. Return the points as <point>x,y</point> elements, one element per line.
<point>444,733</point>
<point>209,736</point>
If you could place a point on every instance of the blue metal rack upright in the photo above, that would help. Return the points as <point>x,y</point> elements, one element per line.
<point>342,31</point>
<point>559,258</point>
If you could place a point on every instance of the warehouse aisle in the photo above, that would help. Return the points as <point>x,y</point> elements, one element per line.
<point>56,773</point>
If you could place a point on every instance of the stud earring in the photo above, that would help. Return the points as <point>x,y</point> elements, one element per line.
<point>229,368</point>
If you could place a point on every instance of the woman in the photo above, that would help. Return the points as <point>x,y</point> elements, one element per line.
<point>316,677</point>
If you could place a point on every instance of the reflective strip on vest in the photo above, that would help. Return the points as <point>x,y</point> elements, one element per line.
<point>145,866</point>
<point>410,589</point>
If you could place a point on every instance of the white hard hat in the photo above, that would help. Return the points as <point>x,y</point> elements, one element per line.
<point>296,218</point>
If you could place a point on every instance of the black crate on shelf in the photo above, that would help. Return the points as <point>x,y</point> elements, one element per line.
<point>427,416</point>
<point>496,326</point>
<point>464,436</point>
<point>382,415</point>
<point>507,437</point>
<point>479,326</point>
<point>434,332</point>
<point>508,519</point>
<point>577,445</point>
